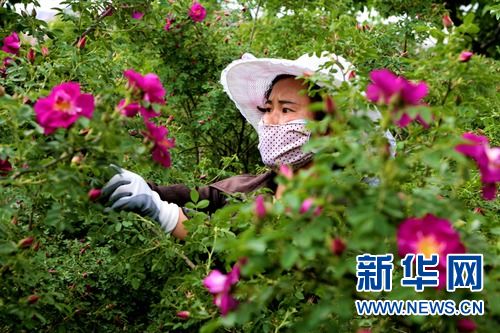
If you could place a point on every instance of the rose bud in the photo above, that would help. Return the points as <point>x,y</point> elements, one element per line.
<point>466,325</point>
<point>260,207</point>
<point>465,56</point>
<point>338,246</point>
<point>329,105</point>
<point>94,194</point>
<point>447,22</point>
<point>306,205</point>
<point>32,299</point>
<point>364,330</point>
<point>81,42</point>
<point>25,242</point>
<point>31,56</point>
<point>183,314</point>
<point>286,171</point>
<point>77,160</point>
<point>45,51</point>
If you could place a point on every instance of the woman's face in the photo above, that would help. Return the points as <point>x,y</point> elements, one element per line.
<point>286,103</point>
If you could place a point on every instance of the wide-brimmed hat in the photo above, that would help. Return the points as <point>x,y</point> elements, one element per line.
<point>246,80</point>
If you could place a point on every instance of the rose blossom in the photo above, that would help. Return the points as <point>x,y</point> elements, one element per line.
<point>158,135</point>
<point>220,285</point>
<point>197,12</point>
<point>429,235</point>
<point>148,85</point>
<point>131,109</point>
<point>11,44</point>
<point>388,88</point>
<point>64,105</point>
<point>487,159</point>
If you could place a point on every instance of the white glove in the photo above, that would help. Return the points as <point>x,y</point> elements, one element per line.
<point>129,192</point>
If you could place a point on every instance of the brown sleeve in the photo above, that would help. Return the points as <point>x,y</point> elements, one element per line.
<point>179,194</point>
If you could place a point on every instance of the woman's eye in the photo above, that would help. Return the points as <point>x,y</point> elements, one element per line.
<point>286,110</point>
<point>264,109</point>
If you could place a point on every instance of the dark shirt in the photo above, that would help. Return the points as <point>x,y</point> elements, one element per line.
<point>217,192</point>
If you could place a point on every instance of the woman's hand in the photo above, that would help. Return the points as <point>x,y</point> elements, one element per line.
<point>129,192</point>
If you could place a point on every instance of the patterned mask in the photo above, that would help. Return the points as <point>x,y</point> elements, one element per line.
<point>281,144</point>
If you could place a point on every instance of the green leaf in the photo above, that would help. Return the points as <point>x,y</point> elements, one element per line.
<point>195,196</point>
<point>289,257</point>
<point>7,247</point>
<point>202,204</point>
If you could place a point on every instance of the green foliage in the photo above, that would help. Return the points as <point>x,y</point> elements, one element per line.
<point>113,272</point>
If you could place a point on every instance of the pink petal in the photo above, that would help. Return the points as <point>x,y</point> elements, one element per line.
<point>373,93</point>
<point>260,208</point>
<point>161,155</point>
<point>465,56</point>
<point>306,205</point>
<point>414,93</point>
<point>489,191</point>
<point>137,15</point>
<point>225,302</point>
<point>215,282</point>
<point>86,103</point>
<point>404,120</point>
<point>387,82</point>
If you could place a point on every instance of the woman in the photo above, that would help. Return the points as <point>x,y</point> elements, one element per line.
<point>270,96</point>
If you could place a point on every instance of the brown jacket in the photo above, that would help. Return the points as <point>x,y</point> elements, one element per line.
<point>216,193</point>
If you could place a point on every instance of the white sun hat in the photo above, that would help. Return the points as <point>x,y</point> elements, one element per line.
<point>246,80</point>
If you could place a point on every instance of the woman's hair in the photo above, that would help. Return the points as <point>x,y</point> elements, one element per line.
<point>318,115</point>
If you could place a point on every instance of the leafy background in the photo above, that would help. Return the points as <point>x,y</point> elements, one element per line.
<point>114,272</point>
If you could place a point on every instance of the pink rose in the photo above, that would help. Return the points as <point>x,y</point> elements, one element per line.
<point>220,286</point>
<point>429,235</point>
<point>487,159</point>
<point>11,44</point>
<point>64,105</point>
<point>162,144</point>
<point>148,85</point>
<point>197,12</point>
<point>388,88</point>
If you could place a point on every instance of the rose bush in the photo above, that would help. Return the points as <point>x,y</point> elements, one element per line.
<point>134,83</point>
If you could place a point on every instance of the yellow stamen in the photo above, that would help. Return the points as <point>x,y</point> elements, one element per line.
<point>428,245</point>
